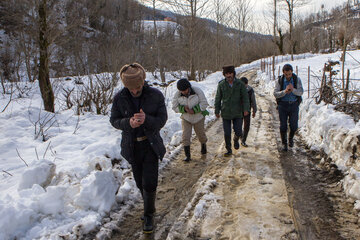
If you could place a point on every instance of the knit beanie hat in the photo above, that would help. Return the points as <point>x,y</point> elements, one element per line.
<point>229,69</point>
<point>183,84</point>
<point>287,67</point>
<point>132,75</point>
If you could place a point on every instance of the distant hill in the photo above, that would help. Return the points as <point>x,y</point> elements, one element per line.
<point>168,15</point>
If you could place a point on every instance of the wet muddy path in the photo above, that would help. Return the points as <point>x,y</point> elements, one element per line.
<point>260,193</point>
<point>320,209</point>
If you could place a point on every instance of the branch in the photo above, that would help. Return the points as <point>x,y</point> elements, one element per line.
<point>46,149</point>
<point>9,99</point>
<point>37,154</point>
<point>7,172</point>
<point>21,157</point>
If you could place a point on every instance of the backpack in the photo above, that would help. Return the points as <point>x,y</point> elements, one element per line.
<point>281,83</point>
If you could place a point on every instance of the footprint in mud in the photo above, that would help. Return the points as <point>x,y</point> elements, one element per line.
<point>228,215</point>
<point>166,190</point>
<point>228,223</point>
<point>233,181</point>
<point>224,238</point>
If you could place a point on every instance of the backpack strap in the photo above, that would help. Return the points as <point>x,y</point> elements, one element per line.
<point>294,76</point>
<point>281,82</point>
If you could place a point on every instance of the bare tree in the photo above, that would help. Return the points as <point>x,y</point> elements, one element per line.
<point>192,10</point>
<point>345,36</point>
<point>242,18</point>
<point>159,61</point>
<point>291,5</point>
<point>243,13</point>
<point>221,11</point>
<point>44,78</point>
<point>275,27</point>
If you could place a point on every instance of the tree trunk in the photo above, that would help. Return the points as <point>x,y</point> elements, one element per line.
<point>44,79</point>
<point>291,9</point>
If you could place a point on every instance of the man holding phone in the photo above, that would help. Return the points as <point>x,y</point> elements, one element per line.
<point>140,112</point>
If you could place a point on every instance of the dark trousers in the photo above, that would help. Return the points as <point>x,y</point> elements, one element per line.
<point>145,167</point>
<point>288,112</point>
<point>237,126</point>
<point>247,120</point>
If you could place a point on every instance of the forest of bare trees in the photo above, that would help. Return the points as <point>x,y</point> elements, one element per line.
<point>47,38</point>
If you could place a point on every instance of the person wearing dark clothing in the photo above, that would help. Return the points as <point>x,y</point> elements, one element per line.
<point>232,102</point>
<point>140,112</point>
<point>288,91</point>
<point>247,119</point>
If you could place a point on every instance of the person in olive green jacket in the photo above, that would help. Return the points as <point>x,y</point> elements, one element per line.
<point>232,101</point>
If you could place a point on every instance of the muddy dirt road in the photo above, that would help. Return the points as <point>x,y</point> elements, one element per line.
<point>257,193</point>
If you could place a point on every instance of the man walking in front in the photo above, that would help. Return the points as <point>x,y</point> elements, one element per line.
<point>232,103</point>
<point>140,112</point>
<point>288,91</point>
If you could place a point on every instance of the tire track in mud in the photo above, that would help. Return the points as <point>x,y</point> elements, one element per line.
<point>320,209</point>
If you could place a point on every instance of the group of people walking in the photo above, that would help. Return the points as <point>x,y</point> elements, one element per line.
<point>140,112</point>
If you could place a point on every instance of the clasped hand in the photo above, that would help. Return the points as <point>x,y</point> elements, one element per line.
<point>289,88</point>
<point>138,119</point>
<point>188,110</point>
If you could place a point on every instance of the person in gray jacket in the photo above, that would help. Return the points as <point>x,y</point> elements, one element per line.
<point>247,118</point>
<point>191,102</point>
<point>288,91</point>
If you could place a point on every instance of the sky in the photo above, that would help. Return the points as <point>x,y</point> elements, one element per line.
<point>261,9</point>
<point>311,7</point>
<point>46,186</point>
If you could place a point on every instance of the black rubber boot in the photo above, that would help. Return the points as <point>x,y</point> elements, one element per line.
<point>228,146</point>
<point>236,142</point>
<point>187,153</point>
<point>149,210</point>
<point>203,148</point>
<point>284,141</point>
<point>142,195</point>
<point>243,139</point>
<point>291,138</point>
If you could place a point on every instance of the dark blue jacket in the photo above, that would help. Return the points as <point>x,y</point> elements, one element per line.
<point>153,104</point>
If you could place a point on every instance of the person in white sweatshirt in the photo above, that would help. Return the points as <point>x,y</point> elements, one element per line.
<point>191,102</point>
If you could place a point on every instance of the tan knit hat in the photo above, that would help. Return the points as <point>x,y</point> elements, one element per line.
<point>132,75</point>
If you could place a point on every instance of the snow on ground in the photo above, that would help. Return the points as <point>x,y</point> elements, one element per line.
<point>62,193</point>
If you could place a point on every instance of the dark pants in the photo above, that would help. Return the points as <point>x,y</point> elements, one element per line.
<point>247,120</point>
<point>145,167</point>
<point>288,111</point>
<point>237,126</point>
